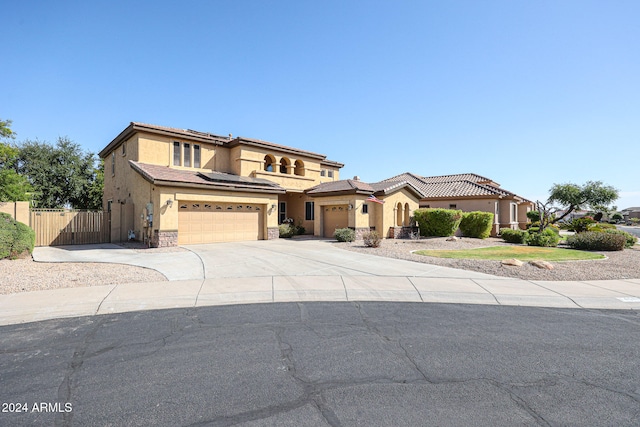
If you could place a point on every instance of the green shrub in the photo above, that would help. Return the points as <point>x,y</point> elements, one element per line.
<point>597,241</point>
<point>547,238</point>
<point>630,239</point>
<point>606,225</point>
<point>438,222</point>
<point>16,238</point>
<point>476,224</point>
<point>513,236</point>
<point>371,239</point>
<point>287,231</point>
<point>344,235</point>
<point>580,225</point>
<point>534,216</point>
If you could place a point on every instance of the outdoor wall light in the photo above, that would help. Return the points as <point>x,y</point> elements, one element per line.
<point>273,206</point>
<point>350,206</point>
<point>170,202</point>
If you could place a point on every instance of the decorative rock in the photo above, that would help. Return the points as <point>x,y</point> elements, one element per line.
<point>541,264</point>
<point>452,239</point>
<point>512,261</point>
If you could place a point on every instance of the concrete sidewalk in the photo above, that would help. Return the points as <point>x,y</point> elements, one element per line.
<point>292,270</point>
<point>72,302</point>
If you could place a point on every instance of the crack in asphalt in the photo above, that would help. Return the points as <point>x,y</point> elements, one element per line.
<point>313,393</point>
<point>65,389</point>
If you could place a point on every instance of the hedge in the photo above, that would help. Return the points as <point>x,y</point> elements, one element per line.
<point>548,238</point>
<point>344,235</point>
<point>597,241</point>
<point>476,224</point>
<point>16,238</point>
<point>438,222</point>
<point>510,235</point>
<point>630,239</point>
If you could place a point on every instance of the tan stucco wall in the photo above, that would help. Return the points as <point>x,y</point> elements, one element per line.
<point>18,210</point>
<point>380,216</point>
<point>249,161</point>
<point>389,209</point>
<point>502,220</point>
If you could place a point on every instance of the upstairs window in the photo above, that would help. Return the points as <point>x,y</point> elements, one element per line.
<point>187,155</point>
<point>113,163</point>
<point>453,206</point>
<point>196,156</point>
<point>176,154</point>
<point>323,172</point>
<point>124,148</point>
<point>330,174</point>
<point>365,208</point>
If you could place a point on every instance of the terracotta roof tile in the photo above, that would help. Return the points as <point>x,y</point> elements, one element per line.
<point>342,186</point>
<point>451,186</point>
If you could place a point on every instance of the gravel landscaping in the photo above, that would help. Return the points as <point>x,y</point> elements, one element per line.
<point>25,275</point>
<point>618,265</point>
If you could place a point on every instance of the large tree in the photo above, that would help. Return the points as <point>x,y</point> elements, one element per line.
<point>13,187</point>
<point>63,175</point>
<point>566,198</point>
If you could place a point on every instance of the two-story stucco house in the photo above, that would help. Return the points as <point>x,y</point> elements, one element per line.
<point>170,186</point>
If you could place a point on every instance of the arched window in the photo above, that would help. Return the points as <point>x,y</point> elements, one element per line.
<point>299,168</point>
<point>399,216</point>
<point>269,161</point>
<point>284,165</point>
<point>406,215</point>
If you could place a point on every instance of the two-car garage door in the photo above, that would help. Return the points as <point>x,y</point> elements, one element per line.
<point>207,222</point>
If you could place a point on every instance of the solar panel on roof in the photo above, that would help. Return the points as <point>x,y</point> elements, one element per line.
<point>235,179</point>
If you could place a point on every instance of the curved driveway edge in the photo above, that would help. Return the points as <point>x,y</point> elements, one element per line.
<point>289,271</point>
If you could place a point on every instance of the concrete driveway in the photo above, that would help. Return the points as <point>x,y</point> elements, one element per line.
<point>283,257</point>
<point>292,271</point>
<point>308,257</point>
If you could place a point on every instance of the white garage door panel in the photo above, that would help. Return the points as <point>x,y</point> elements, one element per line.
<point>203,223</point>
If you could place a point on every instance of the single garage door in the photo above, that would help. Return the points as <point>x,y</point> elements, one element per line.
<point>334,217</point>
<point>200,222</point>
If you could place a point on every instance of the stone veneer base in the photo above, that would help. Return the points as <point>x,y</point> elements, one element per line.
<point>164,239</point>
<point>273,233</point>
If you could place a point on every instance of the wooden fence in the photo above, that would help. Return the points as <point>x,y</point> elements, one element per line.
<point>67,227</point>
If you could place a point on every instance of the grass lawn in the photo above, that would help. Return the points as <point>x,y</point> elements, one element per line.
<point>523,253</point>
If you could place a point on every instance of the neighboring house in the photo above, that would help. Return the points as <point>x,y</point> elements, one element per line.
<point>170,186</point>
<point>573,215</point>
<point>628,213</point>
<point>470,192</point>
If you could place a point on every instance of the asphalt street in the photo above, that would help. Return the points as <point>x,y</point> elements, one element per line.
<point>319,364</point>
<point>632,230</point>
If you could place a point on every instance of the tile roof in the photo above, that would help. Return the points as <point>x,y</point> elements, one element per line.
<point>350,186</point>
<point>342,186</point>
<point>210,138</point>
<point>452,186</point>
<point>472,177</point>
<point>270,145</point>
<point>164,175</point>
<point>163,130</point>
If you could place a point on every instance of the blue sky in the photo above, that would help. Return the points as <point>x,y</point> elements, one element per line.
<point>526,93</point>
